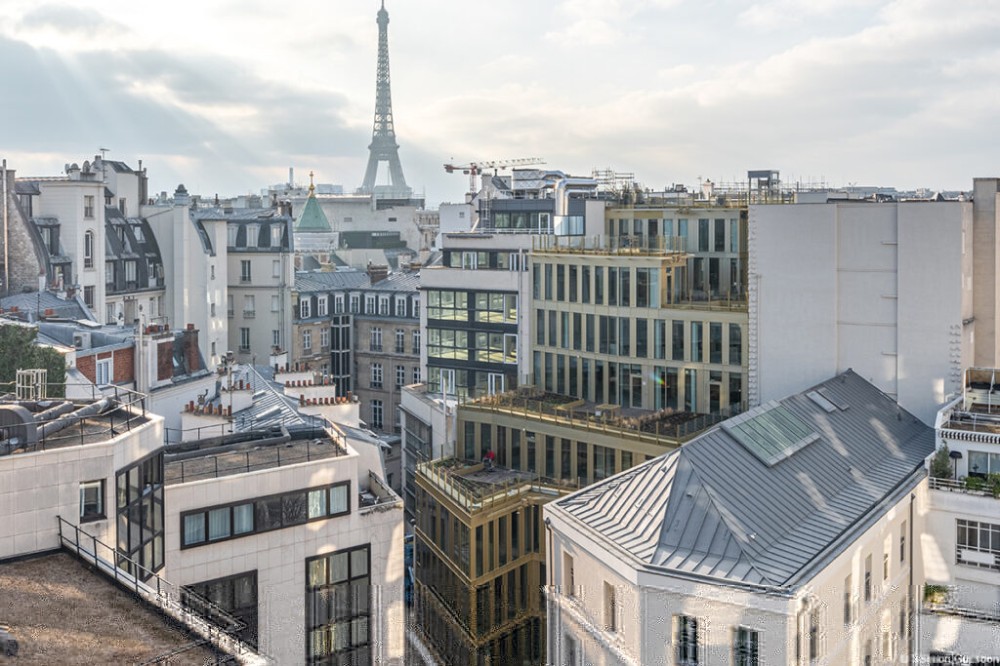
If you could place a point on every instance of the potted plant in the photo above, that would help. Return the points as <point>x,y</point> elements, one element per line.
<point>940,467</point>
<point>935,594</point>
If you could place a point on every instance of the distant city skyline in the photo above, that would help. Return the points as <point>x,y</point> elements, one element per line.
<point>225,97</point>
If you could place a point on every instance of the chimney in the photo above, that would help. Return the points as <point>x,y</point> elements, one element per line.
<point>189,342</point>
<point>377,272</point>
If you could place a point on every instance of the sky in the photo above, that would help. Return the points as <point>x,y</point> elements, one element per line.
<point>225,95</point>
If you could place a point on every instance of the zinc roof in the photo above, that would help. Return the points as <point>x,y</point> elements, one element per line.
<point>715,508</point>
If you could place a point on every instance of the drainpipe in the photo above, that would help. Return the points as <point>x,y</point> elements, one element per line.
<point>6,231</point>
<point>912,593</point>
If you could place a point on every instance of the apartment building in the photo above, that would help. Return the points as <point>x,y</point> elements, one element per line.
<point>960,617</point>
<point>261,274</point>
<point>650,315</point>
<point>196,271</point>
<point>257,521</point>
<point>387,345</point>
<point>784,535</point>
<point>322,335</point>
<point>92,241</point>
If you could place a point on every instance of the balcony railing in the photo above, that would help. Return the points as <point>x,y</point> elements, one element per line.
<point>375,348</point>
<point>447,475</point>
<point>249,314</point>
<point>966,486</point>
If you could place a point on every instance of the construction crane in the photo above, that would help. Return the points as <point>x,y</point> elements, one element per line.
<point>473,169</point>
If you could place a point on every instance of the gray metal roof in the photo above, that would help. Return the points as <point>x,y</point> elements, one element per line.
<point>400,281</point>
<point>714,508</point>
<point>330,280</point>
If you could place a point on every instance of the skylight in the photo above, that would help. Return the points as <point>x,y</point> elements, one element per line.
<point>770,432</point>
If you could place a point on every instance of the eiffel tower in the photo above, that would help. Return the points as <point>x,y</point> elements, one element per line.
<point>383,147</point>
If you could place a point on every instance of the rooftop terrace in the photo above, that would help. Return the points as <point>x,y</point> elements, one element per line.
<point>245,452</point>
<point>61,612</point>
<point>476,487</point>
<point>27,426</point>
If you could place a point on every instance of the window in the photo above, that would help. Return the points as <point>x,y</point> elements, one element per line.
<point>275,303</point>
<point>88,249</point>
<point>88,206</point>
<point>570,651</point>
<point>249,307</point>
<point>376,375</point>
<point>416,342</point>
<point>610,608</point>
<point>244,270</point>
<point>355,303</point>
<point>338,304</point>
<point>275,268</point>
<point>229,306</point>
<point>211,272</point>
<point>400,307</point>
<point>746,647</point>
<point>377,414</point>
<point>88,296</point>
<point>234,595</point>
<point>305,308</point>
<point>103,372</point>
<point>569,582</point>
<point>276,337</point>
<point>244,339</point>
<point>902,542</point>
<point>139,504</point>
<point>324,338</point>
<point>276,230</point>
<point>400,375</point>
<point>686,640</point>
<point>369,304</point>
<point>321,306</point>
<point>416,374</point>
<point>814,647</point>
<point>978,544</point>
<point>400,341</point>
<point>130,271</point>
<point>92,500</point>
<point>264,514</point>
<point>848,600</point>
<point>211,308</point>
<point>383,306</point>
<point>376,339</point>
<point>868,578</point>
<point>231,232</point>
<point>253,233</point>
<point>307,340</point>
<point>338,607</point>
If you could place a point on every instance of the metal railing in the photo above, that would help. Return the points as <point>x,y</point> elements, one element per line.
<point>622,245</point>
<point>169,598</point>
<point>244,462</point>
<point>447,476</point>
<point>647,428</point>
<point>127,405</point>
<point>963,486</point>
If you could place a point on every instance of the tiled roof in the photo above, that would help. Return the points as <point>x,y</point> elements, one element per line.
<point>715,508</point>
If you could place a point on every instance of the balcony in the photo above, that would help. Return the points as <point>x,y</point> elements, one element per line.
<point>653,246</point>
<point>972,485</point>
<point>375,348</point>
<point>946,626</point>
<point>249,314</point>
<point>401,349</point>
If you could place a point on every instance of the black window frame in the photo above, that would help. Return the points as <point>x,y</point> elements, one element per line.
<point>281,500</point>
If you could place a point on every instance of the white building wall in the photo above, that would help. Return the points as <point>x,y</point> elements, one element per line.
<point>650,600</point>
<point>879,288</point>
<point>37,487</point>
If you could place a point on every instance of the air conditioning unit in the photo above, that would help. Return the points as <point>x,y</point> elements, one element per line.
<point>81,340</point>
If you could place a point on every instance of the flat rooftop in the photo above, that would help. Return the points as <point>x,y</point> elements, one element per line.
<point>58,422</point>
<point>244,452</point>
<point>61,612</point>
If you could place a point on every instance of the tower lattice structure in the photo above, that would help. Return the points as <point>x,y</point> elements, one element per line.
<point>383,147</point>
